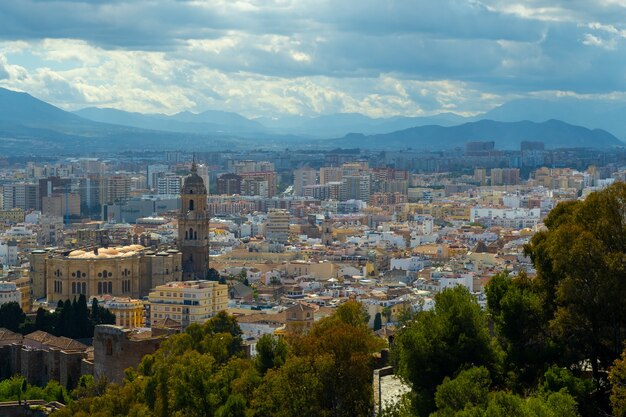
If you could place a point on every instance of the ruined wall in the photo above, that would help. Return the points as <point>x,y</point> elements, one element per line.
<point>115,350</point>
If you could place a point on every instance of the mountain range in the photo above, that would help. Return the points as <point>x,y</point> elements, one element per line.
<point>30,125</point>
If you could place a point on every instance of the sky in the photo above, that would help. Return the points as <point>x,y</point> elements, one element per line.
<point>274,58</point>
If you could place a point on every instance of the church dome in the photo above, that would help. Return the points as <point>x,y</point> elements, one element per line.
<point>194,184</point>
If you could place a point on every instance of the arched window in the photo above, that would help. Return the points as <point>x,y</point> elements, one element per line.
<point>190,233</point>
<point>190,205</point>
<point>109,347</point>
<point>195,235</point>
<point>186,235</point>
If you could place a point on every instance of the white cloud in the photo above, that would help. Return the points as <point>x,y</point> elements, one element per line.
<point>262,57</point>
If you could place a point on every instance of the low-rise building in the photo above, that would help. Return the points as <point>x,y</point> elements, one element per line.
<point>187,302</point>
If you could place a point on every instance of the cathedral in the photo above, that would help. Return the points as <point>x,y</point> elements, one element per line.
<point>193,227</point>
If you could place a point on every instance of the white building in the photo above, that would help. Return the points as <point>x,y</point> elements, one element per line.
<point>9,293</point>
<point>412,264</point>
<point>8,253</point>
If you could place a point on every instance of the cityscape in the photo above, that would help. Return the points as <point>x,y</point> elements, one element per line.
<point>254,209</point>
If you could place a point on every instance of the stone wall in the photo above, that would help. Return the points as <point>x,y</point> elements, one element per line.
<point>116,348</point>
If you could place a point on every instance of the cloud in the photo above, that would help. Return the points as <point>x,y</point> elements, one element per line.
<point>263,57</point>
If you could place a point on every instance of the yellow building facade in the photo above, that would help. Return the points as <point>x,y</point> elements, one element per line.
<point>187,302</point>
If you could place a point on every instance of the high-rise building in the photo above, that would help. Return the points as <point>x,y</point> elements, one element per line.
<point>330,174</point>
<point>263,184</point>
<point>480,176</point>
<point>117,188</point>
<point>193,227</point>
<point>169,183</point>
<point>303,177</point>
<point>60,205</point>
<point>22,195</point>
<point>203,172</point>
<point>153,172</point>
<point>229,184</point>
<point>53,185</point>
<point>355,187</point>
<point>277,228</point>
<point>504,176</point>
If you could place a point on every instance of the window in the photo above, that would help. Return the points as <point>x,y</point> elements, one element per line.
<point>190,205</point>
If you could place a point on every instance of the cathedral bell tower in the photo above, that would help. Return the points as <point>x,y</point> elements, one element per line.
<point>193,227</point>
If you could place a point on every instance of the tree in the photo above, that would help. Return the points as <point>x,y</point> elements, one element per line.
<point>271,353</point>
<point>212,275</point>
<point>11,316</point>
<point>378,322</point>
<point>580,269</point>
<point>439,343</point>
<point>617,378</point>
<point>469,389</point>
<point>516,306</point>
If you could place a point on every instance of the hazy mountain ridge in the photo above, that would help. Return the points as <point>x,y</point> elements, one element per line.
<point>506,135</point>
<point>28,124</point>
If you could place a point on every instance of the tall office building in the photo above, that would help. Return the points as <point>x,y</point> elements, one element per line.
<point>303,177</point>
<point>356,187</point>
<point>22,195</point>
<point>169,183</point>
<point>229,184</point>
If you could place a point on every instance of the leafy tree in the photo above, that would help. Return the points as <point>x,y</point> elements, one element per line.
<point>617,378</point>
<point>213,275</point>
<point>469,389</point>
<point>439,343</point>
<point>580,268</point>
<point>11,316</point>
<point>516,306</point>
<point>271,353</point>
<point>339,349</point>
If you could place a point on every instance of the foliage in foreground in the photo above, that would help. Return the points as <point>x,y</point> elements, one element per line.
<point>202,372</point>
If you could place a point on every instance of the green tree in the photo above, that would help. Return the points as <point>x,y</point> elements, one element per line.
<point>11,316</point>
<point>439,343</point>
<point>468,390</point>
<point>271,353</point>
<point>378,322</point>
<point>617,378</point>
<point>213,275</point>
<point>580,268</point>
<point>516,306</point>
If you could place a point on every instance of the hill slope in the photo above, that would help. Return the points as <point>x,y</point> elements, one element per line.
<point>507,135</point>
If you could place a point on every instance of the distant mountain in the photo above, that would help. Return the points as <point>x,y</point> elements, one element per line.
<point>25,110</point>
<point>506,135</point>
<point>594,114</point>
<point>185,122</point>
<point>339,124</point>
<point>29,125</point>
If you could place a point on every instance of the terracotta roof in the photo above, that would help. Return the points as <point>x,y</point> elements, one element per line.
<point>8,337</point>
<point>48,340</point>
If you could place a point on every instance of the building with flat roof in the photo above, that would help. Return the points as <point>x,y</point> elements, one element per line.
<point>187,302</point>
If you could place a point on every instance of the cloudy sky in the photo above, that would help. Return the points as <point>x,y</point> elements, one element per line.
<point>276,57</point>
